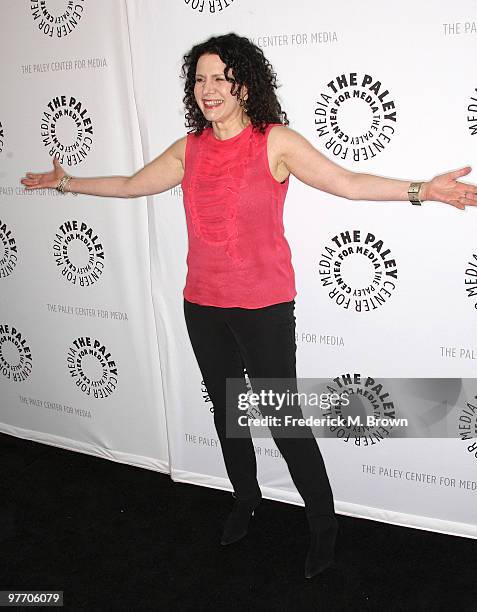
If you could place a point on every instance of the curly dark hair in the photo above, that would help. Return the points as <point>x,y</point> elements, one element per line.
<point>249,67</point>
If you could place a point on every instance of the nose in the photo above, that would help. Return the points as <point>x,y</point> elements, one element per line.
<point>207,86</point>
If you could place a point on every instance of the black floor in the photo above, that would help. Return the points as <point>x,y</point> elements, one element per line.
<point>116,537</point>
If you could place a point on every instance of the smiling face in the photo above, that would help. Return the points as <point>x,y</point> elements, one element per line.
<point>212,91</point>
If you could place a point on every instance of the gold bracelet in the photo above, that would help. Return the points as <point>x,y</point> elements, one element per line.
<point>414,192</point>
<point>63,182</point>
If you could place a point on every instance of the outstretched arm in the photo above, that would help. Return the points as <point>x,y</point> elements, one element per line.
<point>311,167</point>
<point>161,174</point>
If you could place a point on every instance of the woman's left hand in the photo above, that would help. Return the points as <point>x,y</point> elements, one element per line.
<point>446,188</point>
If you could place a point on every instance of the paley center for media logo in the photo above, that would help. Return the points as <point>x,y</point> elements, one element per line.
<point>209,6</point>
<point>8,250</point>
<point>467,427</point>
<point>92,367</point>
<point>355,115</point>
<point>358,270</point>
<point>54,19</point>
<point>368,416</point>
<point>67,130</point>
<point>16,360</point>
<point>472,114</point>
<point>470,280</point>
<point>78,253</point>
<point>248,391</point>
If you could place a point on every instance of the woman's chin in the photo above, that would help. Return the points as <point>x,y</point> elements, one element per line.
<point>211,114</point>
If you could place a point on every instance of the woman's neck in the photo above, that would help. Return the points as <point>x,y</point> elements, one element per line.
<point>228,129</point>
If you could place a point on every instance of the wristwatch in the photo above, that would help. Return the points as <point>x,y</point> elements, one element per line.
<point>413,193</point>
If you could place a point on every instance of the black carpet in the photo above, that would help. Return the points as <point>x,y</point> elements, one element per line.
<point>116,537</point>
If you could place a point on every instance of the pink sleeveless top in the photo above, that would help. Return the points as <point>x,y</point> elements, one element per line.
<point>238,254</point>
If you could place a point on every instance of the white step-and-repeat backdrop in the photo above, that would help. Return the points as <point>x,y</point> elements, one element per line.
<point>385,290</point>
<point>79,357</point>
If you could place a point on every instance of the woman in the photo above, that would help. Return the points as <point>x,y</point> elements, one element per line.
<point>234,167</point>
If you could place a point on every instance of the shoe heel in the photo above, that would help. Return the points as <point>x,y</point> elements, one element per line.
<point>236,525</point>
<point>321,550</point>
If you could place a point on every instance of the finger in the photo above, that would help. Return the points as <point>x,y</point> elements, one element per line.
<point>32,183</point>
<point>470,198</point>
<point>461,172</point>
<point>468,185</point>
<point>33,177</point>
<point>463,202</point>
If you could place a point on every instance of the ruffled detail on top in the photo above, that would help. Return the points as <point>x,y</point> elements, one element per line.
<point>215,187</point>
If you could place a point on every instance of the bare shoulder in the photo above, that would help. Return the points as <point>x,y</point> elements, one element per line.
<point>282,138</point>
<point>283,132</point>
<point>285,143</point>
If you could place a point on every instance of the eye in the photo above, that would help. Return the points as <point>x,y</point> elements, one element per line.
<point>198,79</point>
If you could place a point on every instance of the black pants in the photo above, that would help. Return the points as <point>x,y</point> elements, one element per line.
<point>225,340</point>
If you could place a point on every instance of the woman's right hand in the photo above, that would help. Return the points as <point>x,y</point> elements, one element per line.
<point>46,180</point>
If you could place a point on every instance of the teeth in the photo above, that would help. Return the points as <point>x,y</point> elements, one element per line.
<point>212,102</point>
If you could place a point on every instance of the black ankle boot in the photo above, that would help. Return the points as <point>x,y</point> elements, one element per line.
<point>236,525</point>
<point>322,544</point>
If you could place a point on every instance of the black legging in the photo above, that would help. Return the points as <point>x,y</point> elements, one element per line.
<point>225,340</point>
